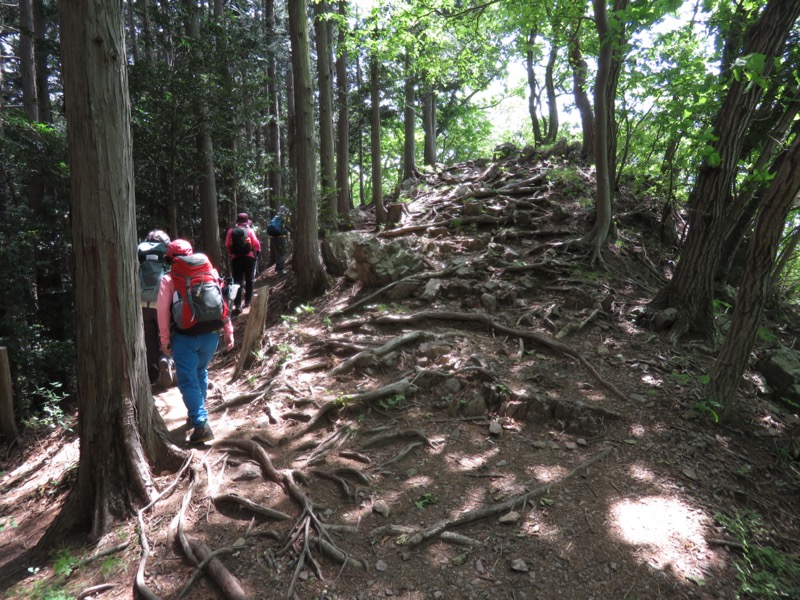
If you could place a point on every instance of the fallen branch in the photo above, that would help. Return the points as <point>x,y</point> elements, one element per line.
<point>474,515</point>
<point>409,449</point>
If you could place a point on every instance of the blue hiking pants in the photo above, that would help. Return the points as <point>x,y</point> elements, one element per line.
<point>191,354</point>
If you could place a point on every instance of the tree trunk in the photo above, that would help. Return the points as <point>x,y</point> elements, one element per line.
<point>429,125</point>
<point>147,33</point>
<point>27,62</point>
<point>552,106</point>
<point>343,132</point>
<point>579,86</point>
<point>533,95</point>
<point>691,288</point>
<point>361,194</point>
<point>602,224</point>
<point>409,123</point>
<point>291,136</point>
<point>132,30</point>
<point>735,352</point>
<point>375,139</point>
<point>274,178</point>
<point>311,279</point>
<point>118,423</point>
<point>205,150</point>
<point>41,55</point>
<point>327,169</point>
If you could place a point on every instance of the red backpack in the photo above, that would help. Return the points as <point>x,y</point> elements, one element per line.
<point>198,305</point>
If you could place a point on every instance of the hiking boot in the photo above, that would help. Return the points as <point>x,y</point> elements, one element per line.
<point>201,434</point>
<point>166,372</point>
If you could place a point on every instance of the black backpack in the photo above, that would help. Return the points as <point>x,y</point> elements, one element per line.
<point>240,241</point>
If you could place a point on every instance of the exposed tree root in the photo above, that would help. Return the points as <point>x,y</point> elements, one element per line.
<point>338,476</point>
<point>258,509</point>
<point>420,276</point>
<point>139,583</point>
<point>393,389</point>
<point>397,435</point>
<point>576,326</point>
<point>307,524</point>
<point>400,456</point>
<point>488,322</point>
<point>390,346</point>
<point>197,552</point>
<point>437,529</point>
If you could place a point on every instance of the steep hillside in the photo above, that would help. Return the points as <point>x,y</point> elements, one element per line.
<point>493,424</point>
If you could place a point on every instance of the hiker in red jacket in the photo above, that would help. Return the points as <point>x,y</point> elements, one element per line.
<point>189,325</point>
<point>243,247</point>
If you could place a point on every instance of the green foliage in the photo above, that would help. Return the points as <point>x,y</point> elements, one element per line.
<point>569,182</point>
<point>425,500</point>
<point>64,563</point>
<point>393,402</point>
<point>50,413</point>
<point>709,407</point>
<point>763,571</point>
<point>111,566</point>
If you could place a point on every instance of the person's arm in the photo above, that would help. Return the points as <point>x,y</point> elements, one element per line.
<point>164,309</point>
<point>254,243</point>
<point>229,242</point>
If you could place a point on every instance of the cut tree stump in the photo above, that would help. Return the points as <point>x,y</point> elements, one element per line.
<point>254,330</point>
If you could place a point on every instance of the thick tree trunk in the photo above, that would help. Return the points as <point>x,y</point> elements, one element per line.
<point>735,353</point>
<point>118,423</point>
<point>326,161</point>
<point>343,131</point>
<point>691,287</point>
<point>311,279</point>
<point>375,139</point>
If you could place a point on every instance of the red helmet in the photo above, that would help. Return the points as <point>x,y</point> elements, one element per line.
<point>179,248</point>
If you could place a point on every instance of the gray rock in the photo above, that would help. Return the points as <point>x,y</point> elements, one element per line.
<point>495,428</point>
<point>781,370</point>
<point>380,263</point>
<point>519,565</point>
<point>246,472</point>
<point>381,507</point>
<point>337,251</point>
<point>432,290</point>
<point>508,518</point>
<point>489,302</point>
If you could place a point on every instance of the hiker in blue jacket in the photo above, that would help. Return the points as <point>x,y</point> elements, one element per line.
<point>278,232</point>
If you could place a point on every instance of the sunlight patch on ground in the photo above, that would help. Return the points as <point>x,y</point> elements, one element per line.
<point>472,462</point>
<point>638,430</point>
<point>548,473</point>
<point>52,469</point>
<point>665,532</point>
<point>472,499</point>
<point>641,473</point>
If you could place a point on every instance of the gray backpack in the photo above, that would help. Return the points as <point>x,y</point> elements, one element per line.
<point>152,267</point>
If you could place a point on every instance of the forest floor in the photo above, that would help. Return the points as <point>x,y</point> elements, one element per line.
<point>474,456</point>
